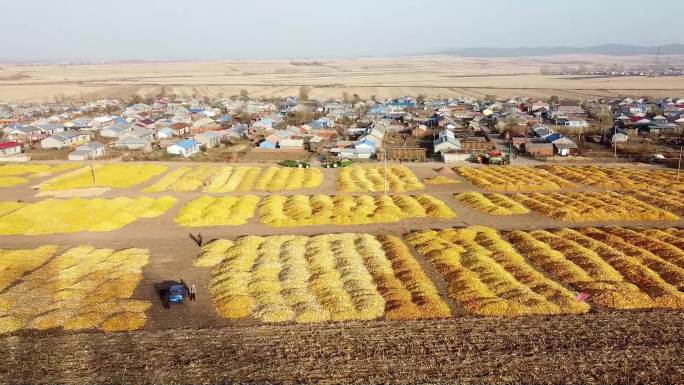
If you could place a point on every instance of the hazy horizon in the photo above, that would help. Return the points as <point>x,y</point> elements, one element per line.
<point>172,30</point>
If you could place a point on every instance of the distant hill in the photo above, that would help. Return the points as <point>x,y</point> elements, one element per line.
<point>607,49</point>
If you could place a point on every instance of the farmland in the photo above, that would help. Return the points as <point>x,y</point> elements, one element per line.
<point>342,282</point>
<point>17,174</point>
<point>109,175</point>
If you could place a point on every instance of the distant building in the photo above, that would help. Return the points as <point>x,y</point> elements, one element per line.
<point>90,150</point>
<point>9,148</point>
<point>185,148</point>
<point>64,139</point>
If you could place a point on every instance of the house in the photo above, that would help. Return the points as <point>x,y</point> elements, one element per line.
<point>90,150</point>
<point>269,141</point>
<point>538,148</point>
<point>185,148</point>
<point>141,133</point>
<point>132,143</point>
<point>321,124</point>
<point>64,139</point>
<point>204,124</point>
<point>9,148</point>
<point>115,131</point>
<point>165,133</point>
<point>291,143</point>
<point>24,134</point>
<point>564,146</point>
<point>446,142</point>
<point>209,139</point>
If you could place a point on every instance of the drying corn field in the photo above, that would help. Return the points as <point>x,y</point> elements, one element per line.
<point>513,178</point>
<point>226,179</point>
<point>332,277</point>
<point>592,207</point>
<point>21,173</point>
<point>377,179</point>
<point>487,276</point>
<point>509,275</point>
<point>495,204</point>
<point>104,175</point>
<point>302,210</point>
<point>77,289</point>
<point>51,216</point>
<point>221,211</point>
<point>619,177</point>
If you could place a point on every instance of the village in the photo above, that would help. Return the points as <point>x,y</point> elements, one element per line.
<point>408,129</point>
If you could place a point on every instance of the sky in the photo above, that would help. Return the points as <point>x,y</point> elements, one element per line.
<point>259,29</point>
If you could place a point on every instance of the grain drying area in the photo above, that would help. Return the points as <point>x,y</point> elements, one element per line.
<point>359,274</point>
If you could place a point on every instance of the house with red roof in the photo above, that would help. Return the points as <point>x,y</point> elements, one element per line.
<point>9,148</point>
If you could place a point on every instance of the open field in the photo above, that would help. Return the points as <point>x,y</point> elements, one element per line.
<point>417,300</point>
<point>433,76</point>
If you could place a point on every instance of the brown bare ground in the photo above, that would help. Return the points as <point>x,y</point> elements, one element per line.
<point>434,76</point>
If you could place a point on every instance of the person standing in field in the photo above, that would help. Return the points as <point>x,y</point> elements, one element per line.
<point>199,239</point>
<point>192,292</point>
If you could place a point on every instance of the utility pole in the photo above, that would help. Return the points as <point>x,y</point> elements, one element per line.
<point>385,173</point>
<point>679,164</point>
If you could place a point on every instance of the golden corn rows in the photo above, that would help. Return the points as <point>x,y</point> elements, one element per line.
<point>618,177</point>
<point>221,211</point>
<point>372,179</point>
<point>116,175</point>
<point>52,216</point>
<point>487,276</point>
<point>81,288</point>
<point>15,174</point>
<point>513,178</point>
<point>496,204</point>
<point>301,210</point>
<point>314,279</point>
<point>215,179</point>
<point>592,206</point>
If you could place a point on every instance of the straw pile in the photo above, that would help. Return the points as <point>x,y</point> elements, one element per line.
<point>440,179</point>
<point>619,177</point>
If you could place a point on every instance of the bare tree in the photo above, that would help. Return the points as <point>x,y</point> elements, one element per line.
<point>304,92</point>
<point>244,94</point>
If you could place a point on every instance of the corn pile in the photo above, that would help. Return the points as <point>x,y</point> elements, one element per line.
<point>80,289</point>
<point>116,175</point>
<point>440,179</point>
<point>302,210</point>
<point>19,173</point>
<point>182,179</point>
<point>672,201</point>
<point>487,276</point>
<point>225,179</point>
<point>221,211</point>
<point>53,216</point>
<point>512,178</point>
<point>592,206</point>
<point>372,179</point>
<point>618,177</point>
<point>495,204</point>
<point>620,268</point>
<point>331,277</point>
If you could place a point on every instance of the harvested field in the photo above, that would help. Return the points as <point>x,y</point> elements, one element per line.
<point>82,288</point>
<point>221,211</point>
<point>302,210</point>
<point>333,277</point>
<point>592,206</point>
<point>372,179</point>
<point>618,177</point>
<point>487,276</point>
<point>104,175</point>
<point>595,348</point>
<point>52,216</point>
<point>495,204</point>
<point>513,178</point>
<point>225,179</point>
<point>619,268</point>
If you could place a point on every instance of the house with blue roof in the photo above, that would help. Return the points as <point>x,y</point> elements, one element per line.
<point>185,148</point>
